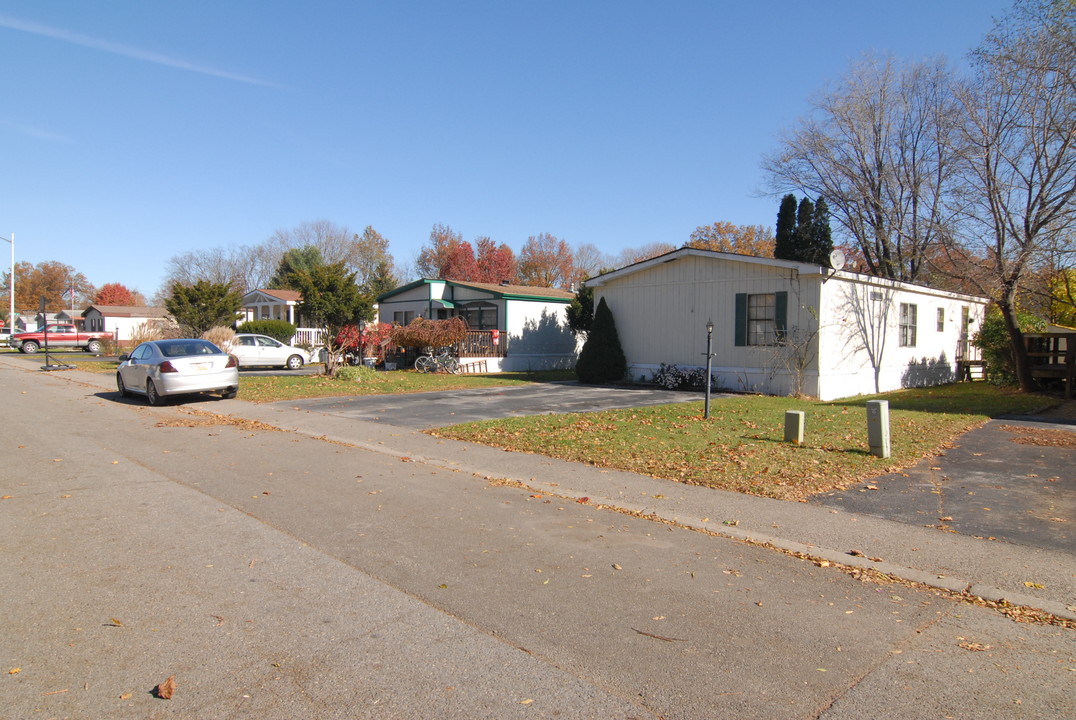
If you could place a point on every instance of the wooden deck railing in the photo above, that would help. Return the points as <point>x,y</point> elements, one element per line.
<point>479,343</point>
<point>1053,356</point>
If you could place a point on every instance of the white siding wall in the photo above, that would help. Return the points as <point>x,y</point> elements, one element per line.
<point>862,335</point>
<point>415,300</point>
<point>538,336</point>
<point>661,315</point>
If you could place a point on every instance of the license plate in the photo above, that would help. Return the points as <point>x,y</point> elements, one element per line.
<point>201,365</point>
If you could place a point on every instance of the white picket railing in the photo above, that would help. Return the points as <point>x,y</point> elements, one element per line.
<point>307,337</point>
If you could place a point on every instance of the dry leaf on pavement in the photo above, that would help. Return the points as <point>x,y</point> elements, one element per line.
<point>166,689</point>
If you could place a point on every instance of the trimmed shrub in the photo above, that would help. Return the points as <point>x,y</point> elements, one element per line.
<point>280,330</point>
<point>602,358</point>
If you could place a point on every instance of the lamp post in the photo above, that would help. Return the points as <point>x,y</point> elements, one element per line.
<point>11,284</point>
<point>709,360</point>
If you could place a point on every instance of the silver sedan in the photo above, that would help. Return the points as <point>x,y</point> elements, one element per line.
<point>160,368</point>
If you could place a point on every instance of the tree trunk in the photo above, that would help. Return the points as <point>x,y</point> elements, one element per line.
<point>1021,363</point>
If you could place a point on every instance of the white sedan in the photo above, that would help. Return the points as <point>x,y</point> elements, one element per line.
<point>160,368</point>
<point>254,350</point>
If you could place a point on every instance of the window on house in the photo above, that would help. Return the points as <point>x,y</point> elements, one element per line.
<point>761,318</point>
<point>941,319</point>
<point>480,315</point>
<point>403,317</point>
<point>908,313</point>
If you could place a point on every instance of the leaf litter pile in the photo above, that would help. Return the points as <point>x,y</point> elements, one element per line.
<point>741,447</point>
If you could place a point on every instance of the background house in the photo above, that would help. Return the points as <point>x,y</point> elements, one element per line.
<point>512,327</point>
<point>121,320</point>
<point>280,305</point>
<point>783,327</point>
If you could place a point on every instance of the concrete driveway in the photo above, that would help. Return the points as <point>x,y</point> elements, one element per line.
<point>437,409</point>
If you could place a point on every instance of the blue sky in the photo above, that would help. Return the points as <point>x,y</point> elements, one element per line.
<point>134,130</point>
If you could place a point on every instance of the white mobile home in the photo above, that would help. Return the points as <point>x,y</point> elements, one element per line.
<point>122,320</point>
<point>511,327</point>
<point>782,327</point>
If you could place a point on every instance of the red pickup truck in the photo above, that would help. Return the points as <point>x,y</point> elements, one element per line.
<point>60,336</point>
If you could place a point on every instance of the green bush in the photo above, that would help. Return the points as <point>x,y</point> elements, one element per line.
<point>602,358</point>
<point>281,330</point>
<point>355,373</point>
<point>993,339</point>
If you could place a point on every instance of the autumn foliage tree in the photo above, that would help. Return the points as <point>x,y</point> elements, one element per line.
<point>546,261</point>
<point>114,294</point>
<point>52,280</point>
<point>494,263</point>
<point>756,240</point>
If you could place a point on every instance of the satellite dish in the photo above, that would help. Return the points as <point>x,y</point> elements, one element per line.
<point>836,259</point>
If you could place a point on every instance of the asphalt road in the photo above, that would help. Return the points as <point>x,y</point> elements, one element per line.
<point>276,575</point>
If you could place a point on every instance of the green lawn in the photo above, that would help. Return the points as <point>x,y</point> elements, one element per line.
<point>742,446</point>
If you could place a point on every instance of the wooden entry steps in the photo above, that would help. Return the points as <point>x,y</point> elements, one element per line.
<point>474,367</point>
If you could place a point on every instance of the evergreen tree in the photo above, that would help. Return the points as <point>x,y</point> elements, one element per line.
<point>381,281</point>
<point>294,261</point>
<point>804,228</point>
<point>785,237</point>
<point>203,305</point>
<point>821,244</point>
<point>331,300</point>
<point>602,358</point>
<point>581,311</point>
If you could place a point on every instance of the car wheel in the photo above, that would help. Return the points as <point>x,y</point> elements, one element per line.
<point>230,393</point>
<point>294,362</point>
<point>124,392</point>
<point>93,346</point>
<point>152,395</point>
<point>30,347</point>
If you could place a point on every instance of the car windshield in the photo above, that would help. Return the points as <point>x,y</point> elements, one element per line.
<point>185,348</point>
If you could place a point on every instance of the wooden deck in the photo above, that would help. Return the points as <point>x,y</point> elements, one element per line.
<point>1053,357</point>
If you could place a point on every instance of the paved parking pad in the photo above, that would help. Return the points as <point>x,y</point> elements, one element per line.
<point>438,409</point>
<point>1010,480</point>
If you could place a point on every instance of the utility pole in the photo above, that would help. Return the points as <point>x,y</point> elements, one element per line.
<point>11,285</point>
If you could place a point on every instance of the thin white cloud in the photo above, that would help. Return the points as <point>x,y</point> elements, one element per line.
<point>36,133</point>
<point>124,50</point>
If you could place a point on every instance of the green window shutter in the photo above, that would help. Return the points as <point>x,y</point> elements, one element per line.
<point>780,314</point>
<point>741,319</point>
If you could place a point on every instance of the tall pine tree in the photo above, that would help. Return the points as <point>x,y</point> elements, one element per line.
<point>804,228</point>
<point>803,232</point>
<point>785,238</point>
<point>821,244</point>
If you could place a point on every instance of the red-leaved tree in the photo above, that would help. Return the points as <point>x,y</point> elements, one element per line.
<point>114,294</point>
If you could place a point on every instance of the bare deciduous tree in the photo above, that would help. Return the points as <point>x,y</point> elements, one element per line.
<point>1019,156</point>
<point>878,147</point>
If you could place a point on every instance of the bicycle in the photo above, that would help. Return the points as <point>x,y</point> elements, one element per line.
<point>442,362</point>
